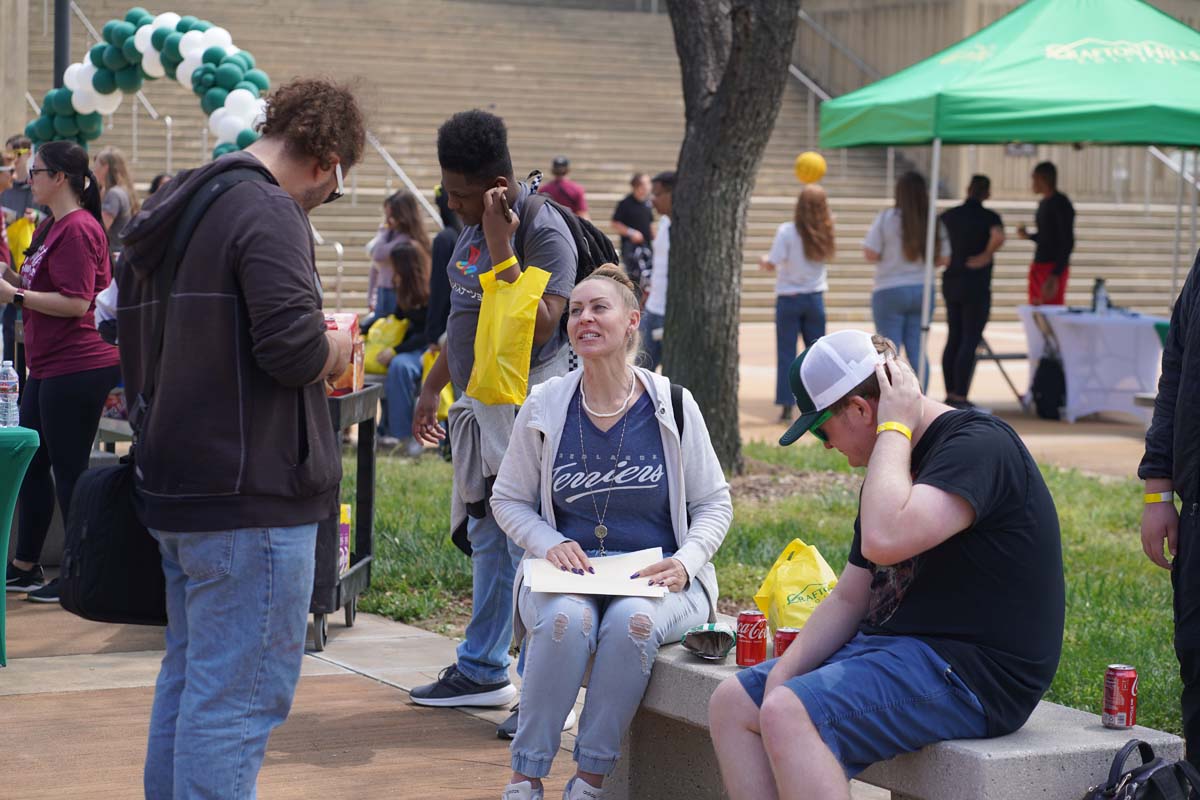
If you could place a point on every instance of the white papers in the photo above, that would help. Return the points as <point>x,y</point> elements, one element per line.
<point>611,576</point>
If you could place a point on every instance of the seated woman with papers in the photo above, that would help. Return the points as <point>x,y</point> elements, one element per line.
<point>604,462</point>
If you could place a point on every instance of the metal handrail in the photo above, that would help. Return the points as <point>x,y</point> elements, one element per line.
<point>400,173</point>
<point>37,110</point>
<point>1171,165</point>
<point>837,44</point>
<point>340,252</point>
<point>808,82</point>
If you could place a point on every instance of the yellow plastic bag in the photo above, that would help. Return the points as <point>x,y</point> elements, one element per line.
<point>798,581</point>
<point>19,235</point>
<point>446,398</point>
<point>504,337</point>
<point>384,332</point>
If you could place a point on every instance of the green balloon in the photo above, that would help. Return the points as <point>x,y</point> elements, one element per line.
<point>106,33</point>
<point>65,126</point>
<point>114,59</point>
<point>90,136</point>
<point>89,123</point>
<point>122,31</point>
<point>96,55</point>
<point>259,79</point>
<point>129,80</point>
<point>171,48</point>
<point>31,129</point>
<point>62,102</point>
<point>48,102</point>
<point>159,38</point>
<point>214,98</point>
<point>43,129</point>
<point>170,62</point>
<point>246,138</point>
<point>223,149</point>
<point>169,70</point>
<point>249,87</point>
<point>186,23</point>
<point>146,20</point>
<point>202,25</point>
<point>246,58</point>
<point>136,13</point>
<point>229,76</point>
<point>104,81</point>
<point>130,51</point>
<point>213,55</point>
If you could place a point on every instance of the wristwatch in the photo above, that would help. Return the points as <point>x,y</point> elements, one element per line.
<point>18,298</point>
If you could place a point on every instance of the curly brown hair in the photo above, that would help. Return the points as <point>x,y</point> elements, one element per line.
<point>317,118</point>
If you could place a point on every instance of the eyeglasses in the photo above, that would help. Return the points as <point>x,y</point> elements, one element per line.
<point>816,431</point>
<point>35,170</point>
<point>337,193</point>
<point>9,168</point>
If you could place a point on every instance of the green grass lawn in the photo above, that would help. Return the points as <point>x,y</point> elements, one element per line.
<point>1118,603</point>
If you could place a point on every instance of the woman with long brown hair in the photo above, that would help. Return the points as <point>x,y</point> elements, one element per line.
<point>896,245</point>
<point>410,285</point>
<point>119,200</point>
<point>798,257</point>
<point>402,221</point>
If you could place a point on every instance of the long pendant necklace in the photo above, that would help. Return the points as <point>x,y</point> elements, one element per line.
<point>601,529</point>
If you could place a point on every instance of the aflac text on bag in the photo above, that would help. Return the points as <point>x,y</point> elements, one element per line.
<point>798,581</point>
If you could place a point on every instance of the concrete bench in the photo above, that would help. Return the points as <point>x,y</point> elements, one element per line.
<point>1058,754</point>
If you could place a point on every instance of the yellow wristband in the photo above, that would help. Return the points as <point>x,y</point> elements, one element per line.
<point>898,427</point>
<point>1158,497</point>
<point>505,264</point>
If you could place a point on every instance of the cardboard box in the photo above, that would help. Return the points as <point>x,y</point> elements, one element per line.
<point>352,380</point>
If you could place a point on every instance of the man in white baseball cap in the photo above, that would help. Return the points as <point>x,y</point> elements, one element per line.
<point>947,621</point>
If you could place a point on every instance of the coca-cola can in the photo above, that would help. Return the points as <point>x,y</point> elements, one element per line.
<point>751,638</point>
<point>1120,696</point>
<point>783,638</point>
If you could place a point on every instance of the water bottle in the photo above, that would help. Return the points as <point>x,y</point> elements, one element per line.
<point>10,387</point>
<point>1099,297</point>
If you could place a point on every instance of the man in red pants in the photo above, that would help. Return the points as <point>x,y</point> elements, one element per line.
<point>1055,239</point>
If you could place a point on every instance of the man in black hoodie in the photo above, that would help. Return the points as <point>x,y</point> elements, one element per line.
<point>237,460</point>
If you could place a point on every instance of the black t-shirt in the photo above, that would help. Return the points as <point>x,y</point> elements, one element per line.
<point>637,215</point>
<point>970,226</point>
<point>439,283</point>
<point>990,599</point>
<point>1055,235</point>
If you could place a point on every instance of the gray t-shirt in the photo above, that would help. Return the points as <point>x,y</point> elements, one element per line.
<point>116,202</point>
<point>893,269</point>
<point>548,246</point>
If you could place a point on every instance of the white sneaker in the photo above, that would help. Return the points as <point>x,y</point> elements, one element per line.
<point>577,789</point>
<point>522,791</point>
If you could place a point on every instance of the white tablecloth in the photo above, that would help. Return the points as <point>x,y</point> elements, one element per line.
<point>1108,358</point>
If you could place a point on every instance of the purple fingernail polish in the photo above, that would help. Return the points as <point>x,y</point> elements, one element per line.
<point>564,569</point>
<point>634,575</point>
<point>591,570</point>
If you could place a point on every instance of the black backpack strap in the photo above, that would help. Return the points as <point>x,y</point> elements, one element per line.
<point>529,209</point>
<point>1191,775</point>
<point>165,276</point>
<point>677,408</point>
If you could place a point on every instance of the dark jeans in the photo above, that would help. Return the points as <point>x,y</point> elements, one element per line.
<point>965,321</point>
<point>65,411</point>
<point>796,315</point>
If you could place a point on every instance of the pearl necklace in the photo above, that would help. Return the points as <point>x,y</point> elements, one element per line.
<point>628,397</point>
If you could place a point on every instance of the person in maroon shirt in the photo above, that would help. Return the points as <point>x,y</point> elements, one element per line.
<point>565,191</point>
<point>71,369</point>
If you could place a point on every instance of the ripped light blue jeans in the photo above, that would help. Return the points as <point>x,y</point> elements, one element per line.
<point>565,631</point>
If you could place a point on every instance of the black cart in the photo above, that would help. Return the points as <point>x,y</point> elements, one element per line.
<point>330,590</point>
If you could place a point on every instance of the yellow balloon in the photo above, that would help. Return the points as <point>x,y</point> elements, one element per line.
<point>810,167</point>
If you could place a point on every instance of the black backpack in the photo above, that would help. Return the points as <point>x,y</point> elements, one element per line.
<point>1154,779</point>
<point>1049,379</point>
<point>594,246</point>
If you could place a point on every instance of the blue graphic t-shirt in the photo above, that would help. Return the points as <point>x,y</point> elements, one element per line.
<point>633,482</point>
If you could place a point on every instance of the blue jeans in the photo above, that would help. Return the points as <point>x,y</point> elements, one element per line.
<point>879,696</point>
<point>483,653</point>
<point>403,382</point>
<point>237,610</point>
<point>385,301</point>
<point>897,313</point>
<point>651,355</point>
<point>796,315</point>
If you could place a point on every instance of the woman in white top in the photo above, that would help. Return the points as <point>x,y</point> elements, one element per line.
<point>797,258</point>
<point>896,245</point>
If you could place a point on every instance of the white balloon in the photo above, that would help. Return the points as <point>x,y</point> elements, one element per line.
<point>260,113</point>
<point>230,50</point>
<point>229,128</point>
<point>71,76</point>
<point>141,39</point>
<point>183,73</point>
<point>109,103</point>
<point>214,120</point>
<point>86,71</point>
<point>241,103</point>
<point>84,99</point>
<point>192,42</point>
<point>152,64</point>
<point>217,37</point>
<point>168,19</point>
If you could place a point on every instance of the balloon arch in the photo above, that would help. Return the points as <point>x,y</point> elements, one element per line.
<point>145,47</point>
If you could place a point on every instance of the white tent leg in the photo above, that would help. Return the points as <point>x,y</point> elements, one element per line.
<point>930,254</point>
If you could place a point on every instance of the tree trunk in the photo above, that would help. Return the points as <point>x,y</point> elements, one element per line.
<point>733,55</point>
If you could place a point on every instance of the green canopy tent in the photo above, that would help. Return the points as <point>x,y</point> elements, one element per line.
<point>1049,72</point>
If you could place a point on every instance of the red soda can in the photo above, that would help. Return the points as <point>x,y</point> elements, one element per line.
<point>783,638</point>
<point>1120,696</point>
<point>751,638</point>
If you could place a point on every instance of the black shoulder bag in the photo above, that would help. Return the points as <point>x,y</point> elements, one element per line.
<point>112,568</point>
<point>1153,779</point>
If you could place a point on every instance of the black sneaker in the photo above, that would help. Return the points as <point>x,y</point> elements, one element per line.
<point>46,594</point>
<point>23,580</point>
<point>508,728</point>
<point>452,688</point>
